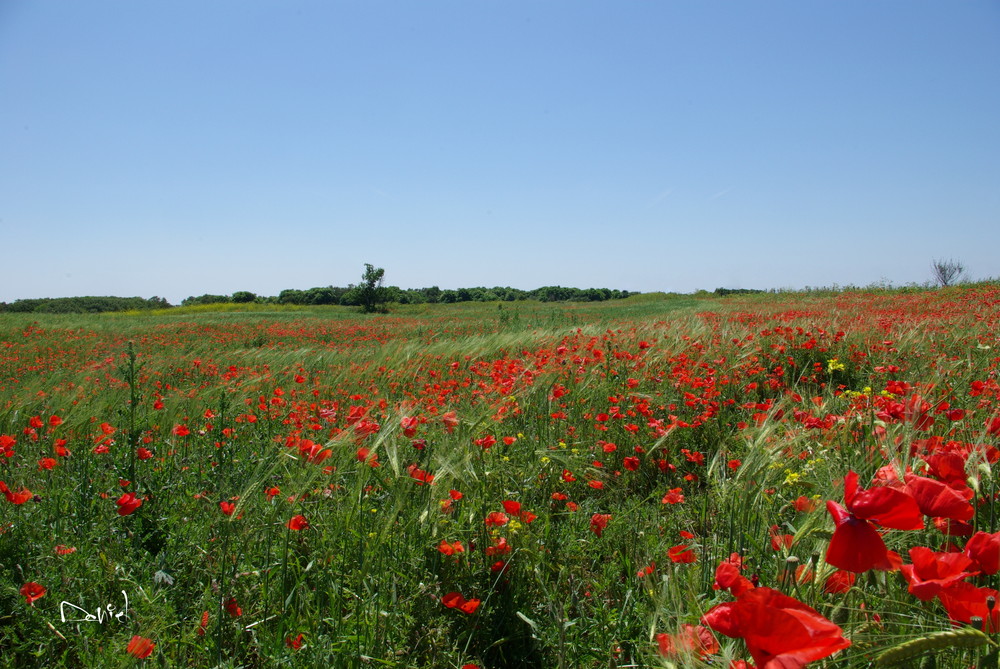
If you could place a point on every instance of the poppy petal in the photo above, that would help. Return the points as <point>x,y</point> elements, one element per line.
<point>855,546</point>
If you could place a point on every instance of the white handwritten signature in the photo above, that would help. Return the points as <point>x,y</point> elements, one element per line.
<point>103,614</point>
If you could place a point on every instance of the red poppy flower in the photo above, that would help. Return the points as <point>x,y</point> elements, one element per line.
<point>295,643</point>
<point>227,508</point>
<point>365,455</point>
<point>931,571</point>
<point>181,430</point>
<point>802,575</point>
<point>856,545</point>
<point>32,591</point>
<point>803,504</point>
<point>778,540</point>
<point>673,496</point>
<point>691,639</point>
<point>128,503</point>
<point>889,507</point>
<point>779,631</point>
<point>485,443</point>
<point>313,452</point>
<point>204,624</point>
<point>470,606</point>
<point>64,550</point>
<point>409,425</point>
<point>16,498</point>
<point>984,549</point>
<point>682,554</point>
<point>297,523</point>
<point>450,420</point>
<point>964,601</point>
<point>839,582</point>
<point>728,577</point>
<point>948,467</point>
<point>232,608</point>
<point>496,519</point>
<point>598,522</point>
<point>451,548</point>
<point>454,600</point>
<point>419,475</point>
<point>140,647</point>
<point>499,547</point>
<point>511,507</point>
<point>143,453</point>
<point>953,528</point>
<point>939,500</point>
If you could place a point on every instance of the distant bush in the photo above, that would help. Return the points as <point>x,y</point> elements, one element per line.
<point>352,295</point>
<point>205,299</point>
<point>243,297</point>
<point>83,305</point>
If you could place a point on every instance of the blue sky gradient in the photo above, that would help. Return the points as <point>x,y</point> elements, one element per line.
<point>180,148</point>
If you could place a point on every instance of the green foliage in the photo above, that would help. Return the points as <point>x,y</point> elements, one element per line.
<point>611,403</point>
<point>83,305</point>
<point>371,295</point>
<point>737,291</point>
<point>243,297</point>
<point>205,299</point>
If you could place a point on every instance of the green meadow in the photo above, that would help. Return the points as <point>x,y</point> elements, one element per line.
<point>655,481</point>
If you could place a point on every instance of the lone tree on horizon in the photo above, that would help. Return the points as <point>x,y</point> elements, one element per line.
<point>371,293</point>
<point>947,272</point>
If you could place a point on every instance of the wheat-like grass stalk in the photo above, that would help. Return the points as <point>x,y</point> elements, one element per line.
<point>966,637</point>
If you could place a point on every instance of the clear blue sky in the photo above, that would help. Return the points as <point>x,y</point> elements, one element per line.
<point>179,148</point>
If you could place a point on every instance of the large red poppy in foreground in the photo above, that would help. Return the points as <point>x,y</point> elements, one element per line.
<point>856,545</point>
<point>780,631</point>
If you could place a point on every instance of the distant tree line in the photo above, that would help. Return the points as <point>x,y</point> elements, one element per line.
<point>355,295</point>
<point>352,295</point>
<point>82,305</point>
<point>738,291</point>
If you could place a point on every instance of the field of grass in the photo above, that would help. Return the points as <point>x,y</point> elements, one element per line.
<point>757,480</point>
